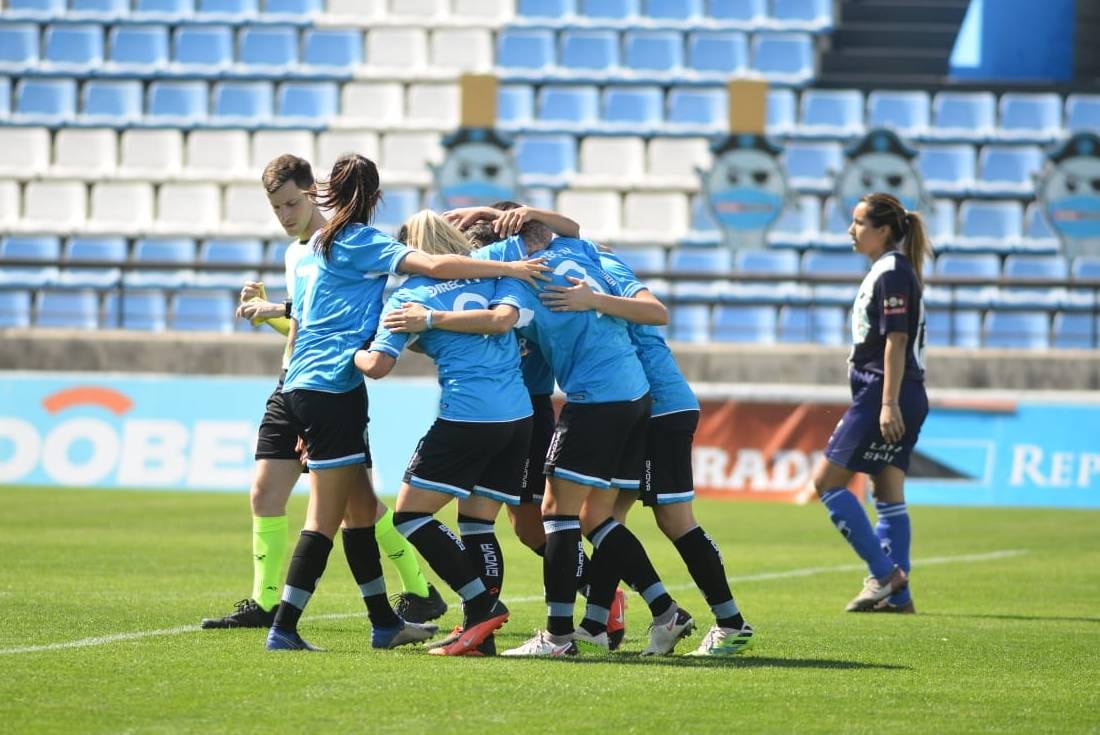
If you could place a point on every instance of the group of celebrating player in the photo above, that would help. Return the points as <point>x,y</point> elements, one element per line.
<point>509,301</point>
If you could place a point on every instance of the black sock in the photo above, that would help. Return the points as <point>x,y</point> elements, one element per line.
<point>306,567</point>
<point>704,562</point>
<point>446,555</point>
<point>483,549</point>
<point>541,551</point>
<point>603,576</point>
<point>560,570</point>
<point>634,566</point>
<point>361,550</point>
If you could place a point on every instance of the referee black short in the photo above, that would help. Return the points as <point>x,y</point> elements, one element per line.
<point>542,431</point>
<point>334,426</point>
<point>277,437</point>
<point>463,458</point>
<point>600,444</point>
<point>666,471</point>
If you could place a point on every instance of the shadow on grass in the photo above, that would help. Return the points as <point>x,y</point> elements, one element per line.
<point>1005,616</point>
<point>732,662</point>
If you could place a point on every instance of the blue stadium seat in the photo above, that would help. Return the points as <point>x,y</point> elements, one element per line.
<point>996,225</point>
<point>515,104</point>
<point>229,252</point>
<point>136,48</point>
<point>767,261</point>
<point>203,48</point>
<point>812,166</point>
<point>275,252</point>
<point>750,13</point>
<point>811,15</point>
<point>633,106</point>
<point>782,111</point>
<point>19,49</point>
<point>5,96</point>
<point>546,8</point>
<point>948,170</point>
<point>700,260</point>
<point>296,9</point>
<point>337,50</point>
<point>267,49</point>
<point>954,328</point>
<point>1074,331</point>
<point>78,47</point>
<point>143,310</point>
<point>836,220</point>
<point>937,327</point>
<point>786,58</point>
<point>1034,117</point>
<point>608,9</point>
<point>830,325</point>
<point>247,103</point>
<point>1008,170</point>
<point>815,262</point>
<point>178,250</point>
<point>163,10</point>
<point>112,102</point>
<point>35,9</point>
<point>86,249</point>
<point>178,103</point>
<point>643,259</point>
<point>654,51</point>
<point>15,308</point>
<point>982,266</point>
<point>576,105</point>
<point>308,103</point>
<point>905,112</point>
<point>551,156</point>
<point>42,248</point>
<point>674,10</point>
<point>1050,267</point>
<point>820,324</point>
<point>589,50</point>
<point>942,221</point>
<point>397,206</point>
<point>718,52</point>
<point>744,324</point>
<point>1029,330</point>
<point>1082,112</point>
<point>202,312</point>
<point>690,323</point>
<point>969,116</point>
<point>798,223</point>
<point>832,113</point>
<point>1037,230</point>
<point>532,49</point>
<point>1086,267</point>
<point>45,101</point>
<point>101,10</point>
<point>698,106</point>
<point>68,309</point>
<point>231,10</point>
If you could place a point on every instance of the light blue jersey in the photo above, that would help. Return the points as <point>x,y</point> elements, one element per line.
<point>591,354</point>
<point>670,392</point>
<point>479,374</point>
<point>337,302</point>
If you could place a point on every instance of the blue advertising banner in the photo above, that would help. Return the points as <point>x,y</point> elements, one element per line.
<point>171,432</point>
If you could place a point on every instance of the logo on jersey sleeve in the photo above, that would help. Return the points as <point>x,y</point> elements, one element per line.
<point>892,305</point>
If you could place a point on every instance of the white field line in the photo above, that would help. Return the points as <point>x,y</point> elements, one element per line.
<point>762,577</point>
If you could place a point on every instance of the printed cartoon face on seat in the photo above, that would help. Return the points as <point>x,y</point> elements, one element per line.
<point>745,189</point>
<point>478,169</point>
<point>1069,192</point>
<point>881,162</point>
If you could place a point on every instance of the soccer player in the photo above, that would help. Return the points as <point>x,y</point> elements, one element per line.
<point>337,300</point>
<point>877,433</point>
<point>667,487</point>
<point>288,182</point>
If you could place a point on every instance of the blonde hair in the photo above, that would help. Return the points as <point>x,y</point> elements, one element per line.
<point>428,232</point>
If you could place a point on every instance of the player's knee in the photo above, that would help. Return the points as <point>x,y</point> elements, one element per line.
<point>674,520</point>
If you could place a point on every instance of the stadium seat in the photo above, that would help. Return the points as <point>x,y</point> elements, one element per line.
<point>36,9</point>
<point>601,211</point>
<point>812,166</point>
<point>546,8</point>
<point>766,262</point>
<point>267,49</point>
<point>654,51</point>
<point>954,328</point>
<point>783,58</point>
<point>203,49</point>
<point>163,10</point>
<point>375,104</point>
<point>612,158</point>
<point>810,15</point>
<point>942,222</point>
<point>395,49</point>
<point>643,259</point>
<point>948,170</point>
<point>117,103</point>
<point>153,154</point>
<point>32,247</point>
<point>202,312</point>
<point>25,149</point>
<point>1028,330</point>
<point>332,143</point>
<point>140,49</point>
<point>515,104</point>
<point>698,107</point>
<point>293,9</point>
<point>84,152</point>
<point>5,97</point>
<point>674,10</point>
<point>93,249</point>
<point>1030,117</point>
<point>798,223</point>
<point>750,13</point>
<point>99,10</point>
<point>796,324</point>
<point>1037,230</point>
<point>525,49</point>
<point>675,160</point>
<point>661,215</point>
<point>572,105</point>
<point>992,225</point>
<point>782,111</point>
<point>690,323</point>
<point>489,11</point>
<point>976,266</point>
<point>176,250</point>
<point>191,208</point>
<point>45,101</point>
<point>461,49</point>
<point>268,144</point>
<point>633,107</point>
<point>430,105</point>
<point>744,324</point>
<point>178,103</point>
<point>67,309</point>
<point>546,156</point>
<point>121,206</point>
<point>332,50</point>
<point>1008,170</point>
<point>832,113</point>
<point>907,113</point>
<point>54,206</point>
<point>714,261</point>
<point>1082,113</point>
<point>964,116</point>
<point>76,47</point>
<point>410,153</point>
<point>234,11</point>
<point>1086,267</point>
<point>243,103</point>
<point>142,310</point>
<point>593,51</point>
<point>15,309</point>
<point>247,211</point>
<point>19,48</point>
<point>1049,267</point>
<point>308,104</point>
<point>397,206</point>
<point>1074,331</point>
<point>717,52</point>
<point>608,9</point>
<point>248,252</point>
<point>834,264</point>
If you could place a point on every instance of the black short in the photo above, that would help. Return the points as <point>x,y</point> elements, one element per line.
<point>542,431</point>
<point>666,470</point>
<point>600,444</point>
<point>334,426</point>
<point>277,437</point>
<point>464,458</point>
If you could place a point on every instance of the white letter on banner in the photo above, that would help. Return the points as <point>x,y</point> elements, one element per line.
<point>790,470</point>
<point>1061,469</point>
<point>154,452</point>
<point>750,469</point>
<point>1090,465</point>
<point>709,466</point>
<point>220,456</point>
<point>55,451</point>
<point>25,449</point>
<point>1025,460</point>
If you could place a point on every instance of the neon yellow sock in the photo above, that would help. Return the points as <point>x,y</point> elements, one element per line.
<point>400,552</point>
<point>269,545</point>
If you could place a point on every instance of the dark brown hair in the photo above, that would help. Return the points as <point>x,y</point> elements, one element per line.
<point>351,193</point>
<point>906,228</point>
<point>287,167</point>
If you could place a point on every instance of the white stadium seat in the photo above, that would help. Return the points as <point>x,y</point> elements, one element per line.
<point>598,212</point>
<point>331,144</point>
<point>119,206</point>
<point>54,206</point>
<point>26,151</point>
<point>406,156</point>
<point>9,203</point>
<point>246,211</point>
<point>85,152</point>
<point>157,154</point>
<point>269,144</point>
<point>462,49</point>
<point>433,106</point>
<point>678,157</point>
<point>612,161</point>
<point>375,105</point>
<point>188,208</point>
<point>218,154</point>
<point>400,49</point>
<point>650,216</point>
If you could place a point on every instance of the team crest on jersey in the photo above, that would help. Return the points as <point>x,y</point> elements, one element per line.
<point>745,189</point>
<point>478,169</point>
<point>880,162</point>
<point>894,305</point>
<point>1069,192</point>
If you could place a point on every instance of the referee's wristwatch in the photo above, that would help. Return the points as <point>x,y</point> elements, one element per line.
<point>287,304</point>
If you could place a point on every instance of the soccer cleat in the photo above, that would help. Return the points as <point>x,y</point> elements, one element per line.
<point>470,637</point>
<point>721,641</point>
<point>402,634</point>
<point>663,636</point>
<point>544,644</point>
<point>595,643</point>
<point>885,606</point>
<point>486,648</point>
<point>417,609</point>
<point>287,640</point>
<point>248,614</point>
<point>875,591</point>
<point>616,621</point>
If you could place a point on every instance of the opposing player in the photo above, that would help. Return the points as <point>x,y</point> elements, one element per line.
<point>877,433</point>
<point>288,182</point>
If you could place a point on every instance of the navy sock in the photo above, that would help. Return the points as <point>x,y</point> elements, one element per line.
<point>704,563</point>
<point>306,567</point>
<point>633,565</point>
<point>603,576</point>
<point>560,570</point>
<point>895,535</point>
<point>483,550</point>
<point>851,520</point>
<point>361,550</point>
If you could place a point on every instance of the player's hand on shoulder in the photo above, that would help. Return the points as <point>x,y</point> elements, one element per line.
<point>532,270</point>
<point>410,318</point>
<point>578,297</point>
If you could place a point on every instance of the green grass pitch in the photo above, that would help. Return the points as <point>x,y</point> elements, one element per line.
<point>1007,639</point>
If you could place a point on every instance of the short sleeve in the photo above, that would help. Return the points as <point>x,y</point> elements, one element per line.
<point>503,251</point>
<point>371,252</point>
<point>892,296</point>
<point>384,340</point>
<point>512,292</point>
<point>628,283</point>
